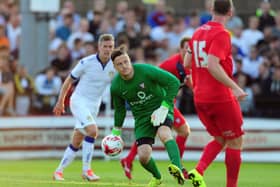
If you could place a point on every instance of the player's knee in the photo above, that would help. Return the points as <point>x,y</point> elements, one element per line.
<point>164,133</point>
<point>76,143</point>
<point>183,131</point>
<point>92,131</point>
<point>235,143</point>
<point>220,140</point>
<point>144,153</point>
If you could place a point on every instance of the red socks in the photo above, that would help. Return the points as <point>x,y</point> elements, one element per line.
<point>132,153</point>
<point>181,142</point>
<point>211,150</point>
<point>233,162</point>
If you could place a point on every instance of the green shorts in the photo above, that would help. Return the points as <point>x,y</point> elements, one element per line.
<point>145,129</point>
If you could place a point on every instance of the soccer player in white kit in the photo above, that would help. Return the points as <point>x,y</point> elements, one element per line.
<point>93,73</point>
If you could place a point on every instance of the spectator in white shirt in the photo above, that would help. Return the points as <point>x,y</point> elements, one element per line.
<point>252,63</point>
<point>251,35</point>
<point>47,86</point>
<point>83,34</point>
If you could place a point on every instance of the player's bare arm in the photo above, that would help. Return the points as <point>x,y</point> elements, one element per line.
<point>219,74</point>
<point>59,106</point>
<point>188,63</point>
<point>188,58</point>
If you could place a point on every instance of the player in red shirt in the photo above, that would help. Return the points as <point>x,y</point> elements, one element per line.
<point>174,65</point>
<point>216,95</point>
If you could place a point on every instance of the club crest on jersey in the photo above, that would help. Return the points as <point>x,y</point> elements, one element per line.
<point>142,85</point>
<point>89,118</point>
<point>111,74</point>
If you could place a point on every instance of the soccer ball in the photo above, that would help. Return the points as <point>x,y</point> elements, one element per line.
<point>112,145</point>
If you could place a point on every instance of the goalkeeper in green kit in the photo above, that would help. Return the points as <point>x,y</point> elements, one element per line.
<point>150,92</point>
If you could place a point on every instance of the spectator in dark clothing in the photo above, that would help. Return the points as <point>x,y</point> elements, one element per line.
<point>63,62</point>
<point>266,15</point>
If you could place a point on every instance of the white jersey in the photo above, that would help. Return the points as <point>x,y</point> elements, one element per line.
<point>93,78</point>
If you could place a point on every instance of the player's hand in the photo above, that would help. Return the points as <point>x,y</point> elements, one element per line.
<point>160,114</point>
<point>116,131</point>
<point>239,94</point>
<point>59,108</point>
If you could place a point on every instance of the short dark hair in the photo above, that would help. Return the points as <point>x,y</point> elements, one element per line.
<point>121,50</point>
<point>183,40</point>
<point>222,7</point>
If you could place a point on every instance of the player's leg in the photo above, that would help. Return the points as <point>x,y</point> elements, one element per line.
<point>233,134</point>
<point>165,135</point>
<point>87,150</point>
<point>182,129</point>
<point>144,152</point>
<point>127,161</point>
<point>84,112</point>
<point>68,155</point>
<point>212,149</point>
<point>233,160</point>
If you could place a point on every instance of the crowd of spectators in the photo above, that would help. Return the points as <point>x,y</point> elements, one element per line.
<point>151,38</point>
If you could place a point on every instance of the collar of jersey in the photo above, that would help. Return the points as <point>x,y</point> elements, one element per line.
<point>99,60</point>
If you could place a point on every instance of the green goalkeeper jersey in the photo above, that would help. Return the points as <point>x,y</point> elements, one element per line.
<point>144,93</point>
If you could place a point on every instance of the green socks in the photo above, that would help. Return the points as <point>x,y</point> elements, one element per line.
<point>173,153</point>
<point>152,168</point>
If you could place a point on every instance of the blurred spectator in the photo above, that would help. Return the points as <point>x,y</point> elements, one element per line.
<point>139,55</point>
<point>265,14</point>
<point>54,43</point>
<point>251,35</point>
<point>24,88</point>
<point>131,28</point>
<point>252,63</point>
<point>274,83</point>
<point>90,48</point>
<point>82,34</point>
<point>194,23</point>
<point>77,52</point>
<point>157,16</point>
<point>234,22</point>
<point>264,74</point>
<point>205,15</point>
<point>268,102</point>
<point>14,32</point>
<point>121,9</point>
<point>69,7</point>
<point>129,23</point>
<point>4,41</point>
<point>63,62</point>
<point>94,24</point>
<point>98,5</point>
<point>65,30</point>
<point>47,86</point>
<point>244,81</point>
<point>238,40</point>
<point>6,8</point>
<point>276,28</point>
<point>177,33</point>
<point>141,13</point>
<point>7,90</point>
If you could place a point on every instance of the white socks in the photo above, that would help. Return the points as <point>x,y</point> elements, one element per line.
<point>67,158</point>
<point>88,147</point>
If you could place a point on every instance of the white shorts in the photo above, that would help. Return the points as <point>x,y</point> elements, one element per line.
<point>84,111</point>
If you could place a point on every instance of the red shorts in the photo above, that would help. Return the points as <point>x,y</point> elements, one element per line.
<point>179,119</point>
<point>221,119</point>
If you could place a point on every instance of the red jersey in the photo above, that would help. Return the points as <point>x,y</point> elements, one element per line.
<point>174,65</point>
<point>211,38</point>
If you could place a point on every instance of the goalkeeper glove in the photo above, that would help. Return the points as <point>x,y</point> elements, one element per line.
<point>116,132</point>
<point>160,114</point>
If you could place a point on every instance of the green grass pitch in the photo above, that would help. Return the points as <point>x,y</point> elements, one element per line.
<point>38,173</point>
